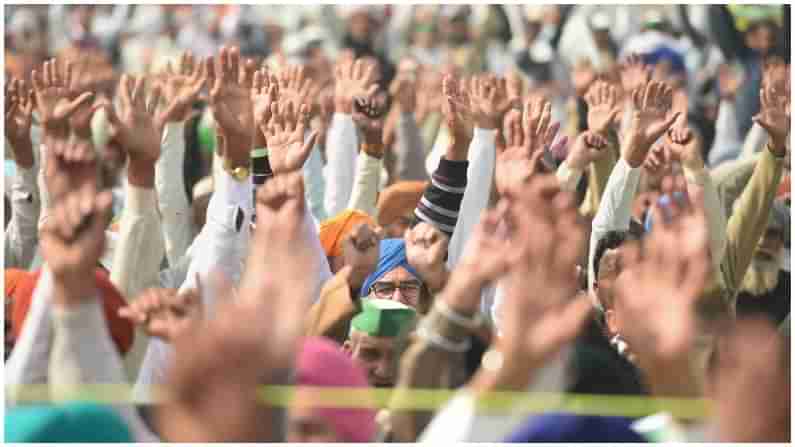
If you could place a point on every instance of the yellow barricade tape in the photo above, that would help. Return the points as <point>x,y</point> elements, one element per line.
<point>396,399</point>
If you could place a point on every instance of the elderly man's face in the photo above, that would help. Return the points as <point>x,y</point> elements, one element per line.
<point>378,356</point>
<point>399,285</point>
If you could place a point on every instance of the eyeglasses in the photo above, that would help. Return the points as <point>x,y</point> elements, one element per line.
<point>385,290</point>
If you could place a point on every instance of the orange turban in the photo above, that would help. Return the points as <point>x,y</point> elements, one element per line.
<point>399,200</point>
<point>121,330</point>
<point>333,231</point>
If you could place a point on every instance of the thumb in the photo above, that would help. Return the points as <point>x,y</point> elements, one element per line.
<point>309,144</point>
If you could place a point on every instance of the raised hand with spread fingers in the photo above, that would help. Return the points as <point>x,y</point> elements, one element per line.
<point>230,102</point>
<point>18,119</point>
<point>135,129</point>
<point>288,147</point>
<point>51,87</point>
<point>458,118</point>
<point>264,94</point>
<point>603,107</point>
<point>527,135</point>
<point>650,120</point>
<point>774,114</point>
<point>181,87</point>
<point>353,78</point>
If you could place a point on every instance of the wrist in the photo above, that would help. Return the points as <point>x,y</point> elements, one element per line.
<point>436,278</point>
<point>70,289</point>
<point>141,173</point>
<point>375,150</point>
<point>777,146</point>
<point>23,153</point>
<point>457,150</point>
<point>343,105</point>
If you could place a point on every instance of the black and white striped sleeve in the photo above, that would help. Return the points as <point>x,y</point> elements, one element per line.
<point>441,201</point>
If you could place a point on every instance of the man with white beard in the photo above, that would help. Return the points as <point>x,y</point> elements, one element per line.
<point>766,286</point>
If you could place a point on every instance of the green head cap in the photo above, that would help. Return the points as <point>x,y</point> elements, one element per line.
<point>383,318</point>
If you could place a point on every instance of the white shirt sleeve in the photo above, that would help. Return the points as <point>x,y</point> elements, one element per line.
<point>615,210</point>
<point>22,235</point>
<point>83,353</point>
<point>754,142</point>
<point>30,357</point>
<point>342,147</point>
<point>139,249</point>
<point>568,178</point>
<point>315,184</point>
<point>172,201</point>
<point>365,186</point>
<point>222,248</point>
<point>480,174</point>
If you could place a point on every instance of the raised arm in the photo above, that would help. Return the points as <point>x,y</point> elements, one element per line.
<point>140,249</point>
<point>369,118</point>
<point>409,147</point>
<point>180,87</point>
<point>21,236</point>
<point>353,79</point>
<point>752,210</point>
<point>650,120</point>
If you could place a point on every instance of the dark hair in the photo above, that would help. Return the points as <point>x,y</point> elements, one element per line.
<point>613,240</point>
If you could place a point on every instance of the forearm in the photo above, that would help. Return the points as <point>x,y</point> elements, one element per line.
<point>410,150</point>
<point>315,184</point>
<point>83,354</point>
<point>342,145</point>
<point>568,177</point>
<point>139,250</point>
<point>172,202</point>
<point>435,360</point>
<point>365,186</point>
<point>701,189</point>
<point>749,220</point>
<point>22,236</point>
<point>441,201</point>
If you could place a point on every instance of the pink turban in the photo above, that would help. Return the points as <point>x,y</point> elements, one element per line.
<point>322,363</point>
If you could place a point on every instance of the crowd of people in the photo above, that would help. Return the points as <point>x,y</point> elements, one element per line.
<point>207,203</point>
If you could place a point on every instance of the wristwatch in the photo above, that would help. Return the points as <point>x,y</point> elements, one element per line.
<point>240,173</point>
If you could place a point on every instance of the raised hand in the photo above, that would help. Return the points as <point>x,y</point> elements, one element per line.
<point>360,252</point>
<point>164,313</point>
<point>583,76</point>
<point>72,240</point>
<point>673,263</point>
<point>296,87</point>
<point>369,115</point>
<point>181,87</point>
<point>485,106</point>
<point>587,148</point>
<point>603,107</point>
<point>426,250</point>
<point>774,114</point>
<point>404,90</point>
<point>53,103</point>
<point>264,94</point>
<point>352,79</point>
<point>541,312</point>
<point>527,135</point>
<point>288,150</point>
<point>634,74</point>
<point>650,120</point>
<point>230,102</point>
<point>133,124</point>
<point>18,119</point>
<point>458,117</point>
